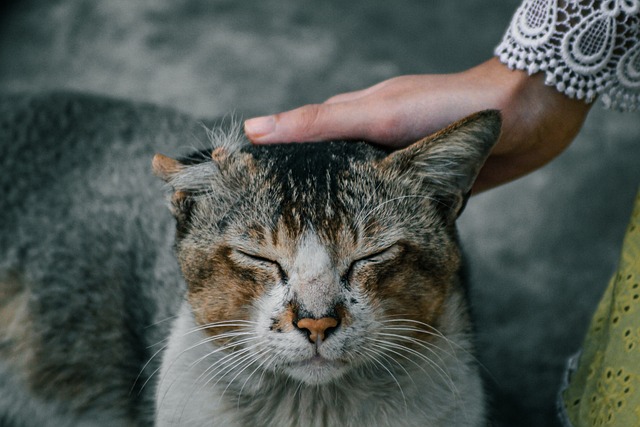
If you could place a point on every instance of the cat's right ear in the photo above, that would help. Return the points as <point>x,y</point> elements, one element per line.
<point>447,163</point>
<point>166,167</point>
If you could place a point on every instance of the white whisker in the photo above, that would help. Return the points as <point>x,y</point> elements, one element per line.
<point>263,363</point>
<point>432,331</point>
<point>229,366</point>
<point>254,357</point>
<point>445,376</point>
<point>145,367</point>
<point>215,369</point>
<point>388,349</point>
<point>207,340</point>
<point>373,357</point>
<point>167,319</point>
<point>219,349</point>
<point>222,362</point>
<point>428,346</point>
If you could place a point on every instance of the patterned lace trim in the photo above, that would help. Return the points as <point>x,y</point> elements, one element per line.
<point>586,48</point>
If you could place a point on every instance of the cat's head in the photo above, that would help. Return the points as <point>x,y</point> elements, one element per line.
<point>312,258</point>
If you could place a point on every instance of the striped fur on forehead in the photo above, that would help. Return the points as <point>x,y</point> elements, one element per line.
<point>309,178</point>
<point>333,186</point>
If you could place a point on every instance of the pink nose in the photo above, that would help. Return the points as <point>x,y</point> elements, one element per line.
<point>317,327</point>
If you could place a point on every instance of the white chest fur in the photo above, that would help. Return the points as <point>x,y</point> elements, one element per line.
<point>391,392</point>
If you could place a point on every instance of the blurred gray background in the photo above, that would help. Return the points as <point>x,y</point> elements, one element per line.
<point>541,249</point>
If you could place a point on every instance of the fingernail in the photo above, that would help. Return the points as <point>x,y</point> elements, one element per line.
<point>260,126</point>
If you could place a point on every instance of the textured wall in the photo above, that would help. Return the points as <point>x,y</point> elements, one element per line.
<point>541,248</point>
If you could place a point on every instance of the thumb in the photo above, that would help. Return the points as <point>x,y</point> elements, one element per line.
<point>315,122</point>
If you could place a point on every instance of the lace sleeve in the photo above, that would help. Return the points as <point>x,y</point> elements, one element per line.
<point>586,48</point>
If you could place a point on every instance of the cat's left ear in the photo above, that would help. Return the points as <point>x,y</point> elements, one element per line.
<point>167,169</point>
<point>447,163</point>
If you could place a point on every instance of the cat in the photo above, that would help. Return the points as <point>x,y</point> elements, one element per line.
<point>323,284</point>
<point>87,273</point>
<point>310,284</point>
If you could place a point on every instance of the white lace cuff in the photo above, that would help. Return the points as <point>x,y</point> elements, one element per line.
<point>586,48</point>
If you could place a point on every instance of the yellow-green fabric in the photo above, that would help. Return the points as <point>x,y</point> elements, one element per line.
<point>604,390</point>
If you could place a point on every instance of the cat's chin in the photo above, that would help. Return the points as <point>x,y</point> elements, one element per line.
<point>317,370</point>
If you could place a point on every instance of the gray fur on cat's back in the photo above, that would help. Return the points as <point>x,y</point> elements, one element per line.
<point>85,232</point>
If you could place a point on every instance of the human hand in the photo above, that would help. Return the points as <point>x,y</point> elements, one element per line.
<point>538,121</point>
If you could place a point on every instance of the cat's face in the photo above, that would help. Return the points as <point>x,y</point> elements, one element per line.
<point>313,260</point>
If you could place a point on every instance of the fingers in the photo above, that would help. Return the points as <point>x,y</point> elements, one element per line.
<point>346,97</point>
<point>309,123</point>
<point>358,94</point>
<point>350,96</point>
<point>339,117</point>
<point>394,113</point>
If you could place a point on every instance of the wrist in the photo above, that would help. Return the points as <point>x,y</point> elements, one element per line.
<point>538,122</point>
<point>535,116</point>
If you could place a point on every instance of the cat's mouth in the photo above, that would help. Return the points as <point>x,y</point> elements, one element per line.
<point>317,369</point>
<point>318,361</point>
<point>322,362</point>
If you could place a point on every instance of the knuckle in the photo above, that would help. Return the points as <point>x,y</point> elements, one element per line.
<point>386,130</point>
<point>309,116</point>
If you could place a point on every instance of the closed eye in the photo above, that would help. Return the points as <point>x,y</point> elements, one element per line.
<point>260,261</point>
<point>374,258</point>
